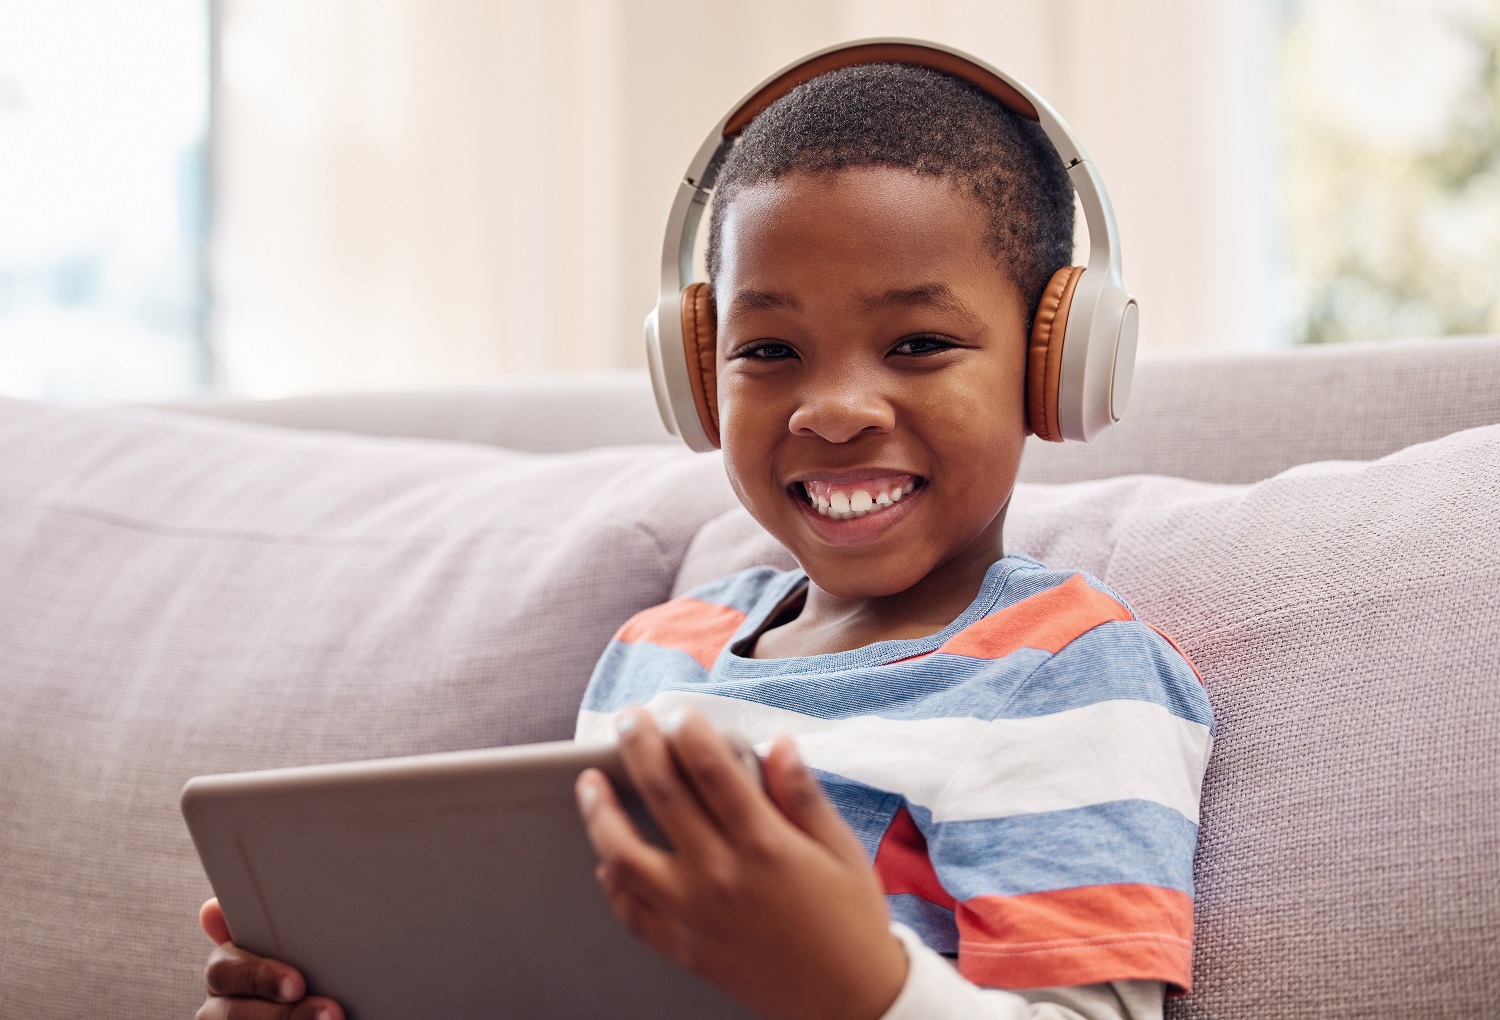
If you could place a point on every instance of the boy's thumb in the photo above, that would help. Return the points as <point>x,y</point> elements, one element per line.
<point>211,920</point>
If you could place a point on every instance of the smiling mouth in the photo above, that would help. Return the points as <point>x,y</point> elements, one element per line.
<point>844,501</point>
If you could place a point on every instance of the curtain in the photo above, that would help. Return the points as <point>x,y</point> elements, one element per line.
<point>434,192</point>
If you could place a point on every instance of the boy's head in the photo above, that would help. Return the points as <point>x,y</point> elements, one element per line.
<point>879,241</point>
<point>924,122</point>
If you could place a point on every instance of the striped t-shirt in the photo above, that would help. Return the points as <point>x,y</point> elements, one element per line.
<point>1025,781</point>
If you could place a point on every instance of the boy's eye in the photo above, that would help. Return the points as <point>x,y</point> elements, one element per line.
<point>767,350</point>
<point>919,345</point>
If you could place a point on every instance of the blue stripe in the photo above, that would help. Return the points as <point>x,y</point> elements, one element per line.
<point>1006,582</point>
<point>934,925</point>
<point>1116,660</point>
<point>866,810</point>
<point>936,687</point>
<point>634,673</point>
<point>1123,841</point>
<point>741,591</point>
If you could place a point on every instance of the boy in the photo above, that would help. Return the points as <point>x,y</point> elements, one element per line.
<point>1016,755</point>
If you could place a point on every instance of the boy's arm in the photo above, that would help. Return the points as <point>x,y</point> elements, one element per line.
<point>771,898</point>
<point>934,990</point>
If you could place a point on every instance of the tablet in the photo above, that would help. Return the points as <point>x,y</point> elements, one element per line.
<point>447,885</point>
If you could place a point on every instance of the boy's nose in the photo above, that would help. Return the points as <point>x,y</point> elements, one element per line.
<point>838,413</point>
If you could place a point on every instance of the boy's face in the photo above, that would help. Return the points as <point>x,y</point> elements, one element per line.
<point>869,346</point>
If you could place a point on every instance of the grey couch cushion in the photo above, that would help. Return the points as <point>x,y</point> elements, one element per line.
<point>1346,619</point>
<point>180,595</point>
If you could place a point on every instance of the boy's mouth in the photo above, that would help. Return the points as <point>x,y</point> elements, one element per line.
<point>844,501</point>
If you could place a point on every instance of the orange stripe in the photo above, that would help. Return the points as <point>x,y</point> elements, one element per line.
<point>701,629</point>
<point>1047,621</point>
<point>902,864</point>
<point>1077,936</point>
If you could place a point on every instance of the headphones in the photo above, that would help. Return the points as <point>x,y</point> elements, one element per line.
<point>1081,357</point>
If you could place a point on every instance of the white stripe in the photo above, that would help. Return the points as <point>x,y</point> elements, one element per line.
<point>964,768</point>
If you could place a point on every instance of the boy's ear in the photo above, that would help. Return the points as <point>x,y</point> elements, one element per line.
<point>1044,353</point>
<point>700,346</point>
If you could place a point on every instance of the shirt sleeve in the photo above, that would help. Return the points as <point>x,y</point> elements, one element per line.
<point>935,991</point>
<point>1066,834</point>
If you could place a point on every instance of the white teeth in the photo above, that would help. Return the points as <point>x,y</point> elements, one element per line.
<point>842,506</point>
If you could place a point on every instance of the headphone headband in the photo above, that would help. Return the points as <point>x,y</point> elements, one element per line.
<point>1098,347</point>
<point>876,52</point>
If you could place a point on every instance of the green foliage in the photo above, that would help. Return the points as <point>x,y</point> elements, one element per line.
<point>1385,238</point>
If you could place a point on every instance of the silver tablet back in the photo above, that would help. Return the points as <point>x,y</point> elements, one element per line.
<point>452,885</point>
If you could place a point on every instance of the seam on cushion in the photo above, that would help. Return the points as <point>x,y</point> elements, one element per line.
<point>669,567</point>
<point>660,544</point>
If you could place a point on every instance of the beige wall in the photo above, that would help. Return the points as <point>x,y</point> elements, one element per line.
<point>424,192</point>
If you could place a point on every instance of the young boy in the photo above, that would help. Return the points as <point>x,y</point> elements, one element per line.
<point>1016,755</point>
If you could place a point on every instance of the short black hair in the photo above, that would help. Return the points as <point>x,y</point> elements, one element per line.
<point>922,120</point>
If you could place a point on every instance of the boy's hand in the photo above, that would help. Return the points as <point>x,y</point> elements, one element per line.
<point>769,898</point>
<point>243,986</point>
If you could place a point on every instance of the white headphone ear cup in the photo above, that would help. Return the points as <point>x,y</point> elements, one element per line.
<point>1044,353</point>
<point>659,388</point>
<point>700,351</point>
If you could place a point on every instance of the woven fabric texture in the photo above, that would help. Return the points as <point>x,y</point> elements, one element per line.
<point>1346,619</point>
<point>182,596</point>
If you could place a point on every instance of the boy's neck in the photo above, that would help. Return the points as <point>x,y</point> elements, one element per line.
<point>828,623</point>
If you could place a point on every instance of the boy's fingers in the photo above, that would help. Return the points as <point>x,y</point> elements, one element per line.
<point>250,1009</point>
<point>617,843</point>
<point>802,800</point>
<point>726,789</point>
<point>654,773</point>
<point>211,920</point>
<point>642,918</point>
<point>236,972</point>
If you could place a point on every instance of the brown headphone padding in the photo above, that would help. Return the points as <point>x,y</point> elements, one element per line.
<point>699,348</point>
<point>1044,356</point>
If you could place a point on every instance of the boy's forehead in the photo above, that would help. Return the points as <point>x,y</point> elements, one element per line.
<point>935,294</point>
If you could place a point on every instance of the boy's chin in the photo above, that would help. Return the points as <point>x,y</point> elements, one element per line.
<point>861,577</point>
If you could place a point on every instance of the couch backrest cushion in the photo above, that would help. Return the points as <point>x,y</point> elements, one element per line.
<point>1235,417</point>
<point>1244,417</point>
<point>553,413</point>
<point>1346,620</point>
<point>180,595</point>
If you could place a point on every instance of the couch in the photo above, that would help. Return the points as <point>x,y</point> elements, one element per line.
<point>228,585</point>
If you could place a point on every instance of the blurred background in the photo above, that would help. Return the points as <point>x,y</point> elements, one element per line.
<point>271,197</point>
